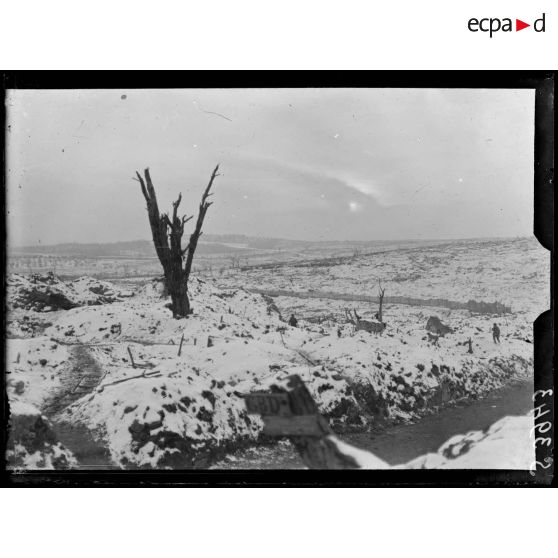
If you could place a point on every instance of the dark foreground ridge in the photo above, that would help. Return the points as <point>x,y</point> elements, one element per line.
<point>401,443</point>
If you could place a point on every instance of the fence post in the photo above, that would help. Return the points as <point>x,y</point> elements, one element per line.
<point>131,357</point>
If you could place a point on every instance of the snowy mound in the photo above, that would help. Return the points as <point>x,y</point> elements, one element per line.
<point>165,419</point>
<point>45,293</point>
<point>147,317</point>
<point>93,291</point>
<point>506,444</point>
<point>41,293</point>
<point>32,444</point>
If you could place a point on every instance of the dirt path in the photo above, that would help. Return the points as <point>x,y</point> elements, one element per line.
<point>401,443</point>
<point>81,376</point>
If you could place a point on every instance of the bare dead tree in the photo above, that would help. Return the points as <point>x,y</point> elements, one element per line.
<point>381,299</point>
<point>364,325</point>
<point>350,319</point>
<point>167,237</point>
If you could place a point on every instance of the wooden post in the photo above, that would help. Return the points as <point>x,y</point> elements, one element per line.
<point>181,341</point>
<point>445,391</point>
<point>131,357</point>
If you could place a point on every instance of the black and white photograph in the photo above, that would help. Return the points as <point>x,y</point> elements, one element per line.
<point>271,278</point>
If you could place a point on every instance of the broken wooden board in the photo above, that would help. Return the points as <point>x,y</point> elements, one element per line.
<point>284,414</point>
<point>268,404</point>
<point>290,411</point>
<point>294,414</point>
<point>295,425</point>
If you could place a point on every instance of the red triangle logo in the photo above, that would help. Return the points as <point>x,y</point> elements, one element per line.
<point>519,25</point>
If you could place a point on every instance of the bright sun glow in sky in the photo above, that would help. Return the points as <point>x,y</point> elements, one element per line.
<point>294,163</point>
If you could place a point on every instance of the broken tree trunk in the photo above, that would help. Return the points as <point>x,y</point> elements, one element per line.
<point>167,237</point>
<point>381,300</point>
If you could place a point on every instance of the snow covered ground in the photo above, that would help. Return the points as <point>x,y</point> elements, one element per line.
<point>507,444</point>
<point>162,409</point>
<point>515,272</point>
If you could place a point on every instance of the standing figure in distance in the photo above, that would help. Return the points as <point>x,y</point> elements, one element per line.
<point>496,333</point>
<point>293,321</point>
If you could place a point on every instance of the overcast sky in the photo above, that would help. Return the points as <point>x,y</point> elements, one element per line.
<point>312,164</point>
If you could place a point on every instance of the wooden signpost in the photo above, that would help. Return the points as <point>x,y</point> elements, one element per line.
<point>293,413</point>
<point>268,404</point>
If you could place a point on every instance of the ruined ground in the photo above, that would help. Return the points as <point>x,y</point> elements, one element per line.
<point>407,442</point>
<point>105,374</point>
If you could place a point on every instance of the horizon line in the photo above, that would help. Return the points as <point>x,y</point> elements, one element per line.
<point>431,239</point>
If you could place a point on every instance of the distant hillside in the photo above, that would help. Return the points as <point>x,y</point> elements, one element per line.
<point>209,244</point>
<point>130,249</point>
<point>233,244</point>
